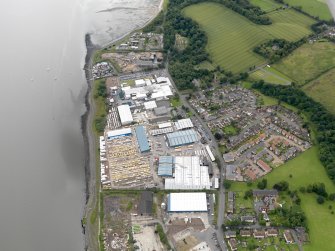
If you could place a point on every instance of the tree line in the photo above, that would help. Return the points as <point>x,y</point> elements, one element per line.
<point>322,119</point>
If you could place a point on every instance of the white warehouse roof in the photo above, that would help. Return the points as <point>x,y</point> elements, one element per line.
<point>163,80</point>
<point>125,114</point>
<point>150,105</point>
<point>188,174</point>
<point>118,133</point>
<point>164,125</point>
<point>139,82</point>
<point>183,124</point>
<point>187,202</point>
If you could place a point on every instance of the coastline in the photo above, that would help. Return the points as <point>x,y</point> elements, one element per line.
<point>89,137</point>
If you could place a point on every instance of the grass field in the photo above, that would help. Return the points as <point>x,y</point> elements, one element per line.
<point>316,8</point>
<point>306,169</point>
<point>266,5</point>
<point>323,90</point>
<point>232,37</point>
<point>270,75</point>
<point>308,62</point>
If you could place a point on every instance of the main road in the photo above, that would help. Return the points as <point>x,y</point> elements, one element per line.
<point>213,144</point>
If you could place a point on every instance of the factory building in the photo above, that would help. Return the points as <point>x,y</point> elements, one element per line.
<point>155,91</point>
<point>180,138</point>
<point>189,174</point>
<point>165,166</point>
<point>125,114</point>
<point>183,124</point>
<point>118,133</point>
<point>187,202</point>
<point>142,139</point>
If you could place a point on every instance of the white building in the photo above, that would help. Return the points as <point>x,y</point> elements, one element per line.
<point>118,133</point>
<point>188,174</point>
<point>161,80</point>
<point>125,114</point>
<point>183,124</point>
<point>139,82</point>
<point>155,91</point>
<point>210,154</point>
<point>150,105</point>
<point>187,202</point>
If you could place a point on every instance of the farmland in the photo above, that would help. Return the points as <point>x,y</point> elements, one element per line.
<point>323,90</point>
<point>321,58</point>
<point>304,170</point>
<point>316,8</point>
<point>266,5</point>
<point>270,75</point>
<point>232,37</point>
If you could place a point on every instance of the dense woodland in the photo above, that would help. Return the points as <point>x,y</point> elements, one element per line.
<point>322,120</point>
<point>275,49</point>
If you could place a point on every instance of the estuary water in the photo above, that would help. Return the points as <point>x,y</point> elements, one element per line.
<point>42,175</point>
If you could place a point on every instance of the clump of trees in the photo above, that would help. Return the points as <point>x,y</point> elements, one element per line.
<point>275,49</point>
<point>281,186</point>
<point>291,217</point>
<point>262,184</point>
<point>323,121</point>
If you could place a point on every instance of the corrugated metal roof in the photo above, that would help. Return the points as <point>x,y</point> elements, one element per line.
<point>188,174</point>
<point>183,124</point>
<point>182,137</point>
<point>117,133</point>
<point>166,159</point>
<point>142,139</point>
<point>165,166</point>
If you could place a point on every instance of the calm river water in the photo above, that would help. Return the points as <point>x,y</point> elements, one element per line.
<point>42,179</point>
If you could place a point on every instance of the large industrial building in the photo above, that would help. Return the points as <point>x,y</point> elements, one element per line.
<point>187,202</point>
<point>183,124</point>
<point>118,133</point>
<point>143,91</point>
<point>188,173</point>
<point>125,114</point>
<point>181,138</point>
<point>142,139</point>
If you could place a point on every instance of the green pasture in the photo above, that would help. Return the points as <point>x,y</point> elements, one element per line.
<point>266,5</point>
<point>308,62</point>
<point>232,37</point>
<point>316,8</point>
<point>323,90</point>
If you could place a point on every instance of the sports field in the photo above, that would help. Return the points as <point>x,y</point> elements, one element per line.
<point>323,90</point>
<point>308,62</point>
<point>306,169</point>
<point>316,8</point>
<point>232,37</point>
<point>266,5</point>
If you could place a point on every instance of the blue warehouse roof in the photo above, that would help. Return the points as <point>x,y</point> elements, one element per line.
<point>180,138</point>
<point>165,166</point>
<point>142,139</point>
